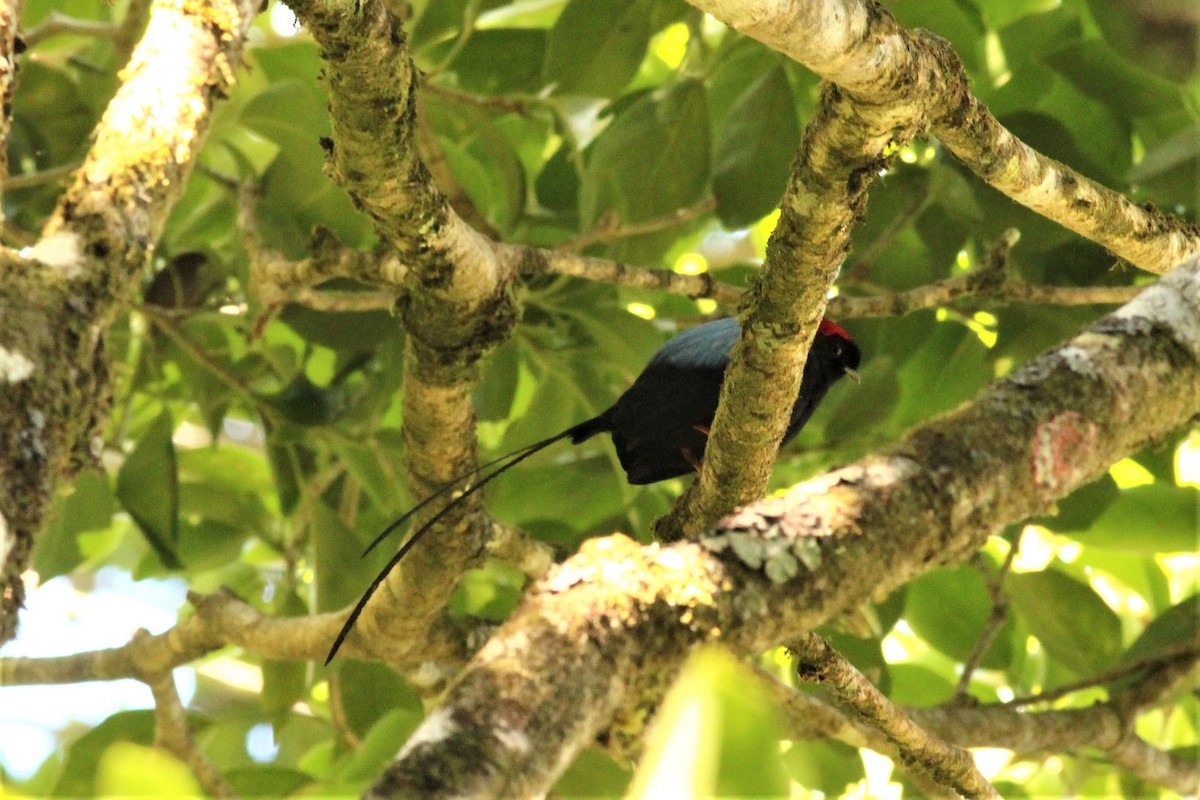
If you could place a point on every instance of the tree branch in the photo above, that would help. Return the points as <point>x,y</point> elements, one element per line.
<point>611,228</point>
<point>458,301</point>
<point>172,734</point>
<point>58,303</point>
<point>819,663</point>
<point>880,63</point>
<point>841,153</point>
<point>598,640</point>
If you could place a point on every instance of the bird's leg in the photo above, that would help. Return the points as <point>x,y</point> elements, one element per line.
<point>702,428</point>
<point>697,464</point>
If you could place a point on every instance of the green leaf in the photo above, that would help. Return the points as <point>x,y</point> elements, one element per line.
<point>340,566</point>
<point>661,140</point>
<point>919,686</point>
<point>716,735</point>
<point>593,773</point>
<point>130,770</point>
<point>1079,510</point>
<point>377,464</point>
<point>1157,518</point>
<point>949,607</point>
<point>1030,37</point>
<point>148,488</point>
<point>266,781</point>
<point>1176,626</point>
<point>369,691</point>
<point>500,61</point>
<point>753,150</point>
<point>949,367</point>
<point>86,506</point>
<point>826,766</point>
<point>285,683</point>
<point>596,48</point>
<point>1100,72</point>
<point>378,748</point>
<point>79,770</point>
<point>1074,625</point>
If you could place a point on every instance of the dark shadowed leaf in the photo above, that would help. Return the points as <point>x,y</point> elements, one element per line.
<point>753,150</point>
<point>1076,627</point>
<point>148,488</point>
<point>595,48</point>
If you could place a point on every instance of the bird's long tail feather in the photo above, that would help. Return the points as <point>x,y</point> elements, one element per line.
<point>506,462</point>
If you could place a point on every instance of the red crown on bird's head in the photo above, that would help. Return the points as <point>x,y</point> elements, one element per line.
<point>830,328</point>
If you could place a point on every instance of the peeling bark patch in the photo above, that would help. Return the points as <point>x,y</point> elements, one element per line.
<point>62,251</point>
<point>14,367</point>
<point>437,727</point>
<point>1060,446</point>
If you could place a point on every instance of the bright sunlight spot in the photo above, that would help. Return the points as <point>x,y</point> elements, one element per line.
<point>879,774</point>
<point>690,264</point>
<point>706,305</point>
<point>1128,473</point>
<point>761,231</point>
<point>283,21</point>
<point>1187,461</point>
<point>641,310</point>
<point>997,64</point>
<point>233,673</point>
<point>991,760</point>
<point>1037,550</point>
<point>261,744</point>
<point>671,45</point>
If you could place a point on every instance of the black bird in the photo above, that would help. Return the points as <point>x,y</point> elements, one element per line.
<point>659,426</point>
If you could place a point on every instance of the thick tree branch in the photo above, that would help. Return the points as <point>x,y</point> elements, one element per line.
<point>841,153</point>
<point>54,385</point>
<point>875,60</point>
<point>597,641</point>
<point>458,301</point>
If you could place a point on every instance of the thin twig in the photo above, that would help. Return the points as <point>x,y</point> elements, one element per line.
<point>48,175</point>
<point>171,733</point>
<point>1183,651</point>
<point>817,662</point>
<point>611,229</point>
<point>57,24</point>
<point>871,253</point>
<point>995,621</point>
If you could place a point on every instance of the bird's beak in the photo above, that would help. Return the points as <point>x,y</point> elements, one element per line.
<point>853,374</point>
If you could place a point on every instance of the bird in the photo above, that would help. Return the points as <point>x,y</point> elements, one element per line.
<point>659,426</point>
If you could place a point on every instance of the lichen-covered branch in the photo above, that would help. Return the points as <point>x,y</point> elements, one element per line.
<point>458,299</point>
<point>871,57</point>
<point>1105,726</point>
<point>58,302</point>
<point>819,663</point>
<point>841,153</point>
<point>222,619</point>
<point>596,642</point>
